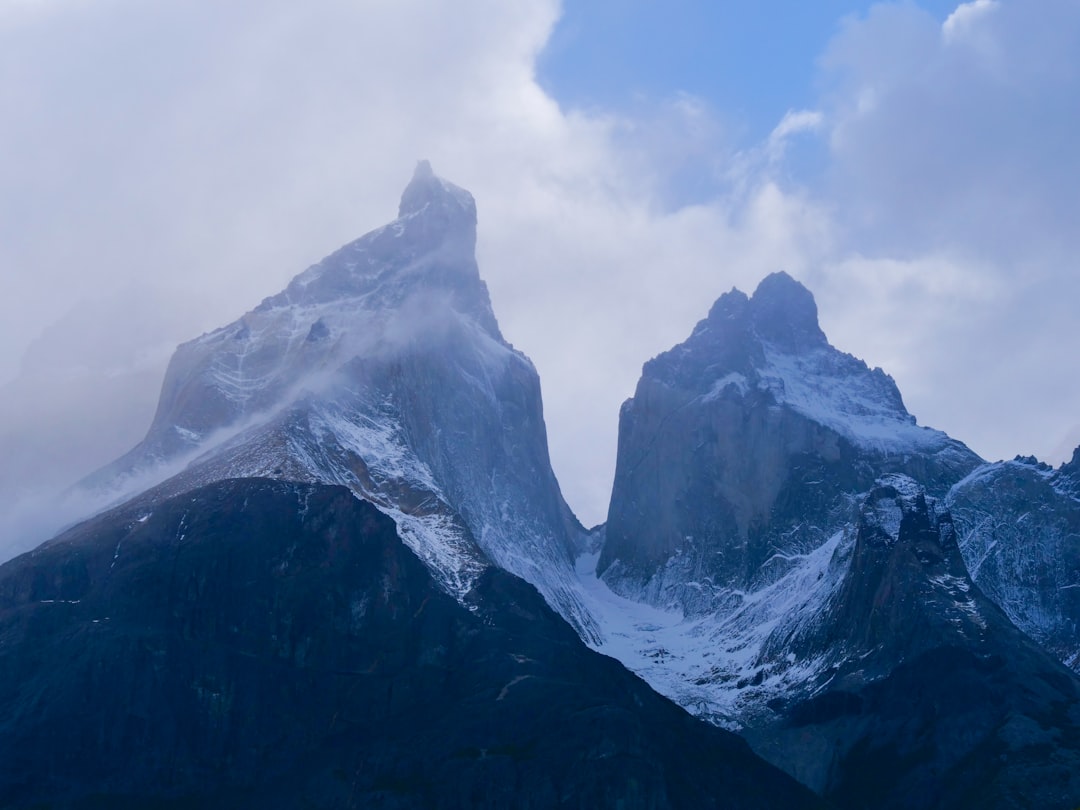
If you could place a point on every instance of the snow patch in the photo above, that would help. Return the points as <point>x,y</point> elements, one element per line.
<point>442,546</point>
<point>839,392</point>
<point>188,435</point>
<point>724,667</point>
<point>959,592</point>
<point>733,380</point>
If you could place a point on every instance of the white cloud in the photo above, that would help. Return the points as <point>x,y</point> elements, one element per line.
<point>954,194</point>
<point>223,146</point>
<point>217,149</point>
<point>966,18</point>
<point>953,150</point>
<point>793,123</point>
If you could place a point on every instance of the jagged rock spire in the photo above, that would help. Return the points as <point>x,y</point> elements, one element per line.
<point>784,311</point>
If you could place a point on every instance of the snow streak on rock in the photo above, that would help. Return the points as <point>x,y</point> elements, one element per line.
<point>838,391</point>
<point>1019,531</point>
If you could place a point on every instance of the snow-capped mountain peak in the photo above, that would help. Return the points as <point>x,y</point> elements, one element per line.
<point>772,431</point>
<point>382,368</point>
<point>428,190</point>
<point>428,250</point>
<point>771,342</point>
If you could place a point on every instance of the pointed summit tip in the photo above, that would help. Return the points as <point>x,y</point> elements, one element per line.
<point>427,190</point>
<point>779,284</point>
<point>423,170</point>
<point>783,310</point>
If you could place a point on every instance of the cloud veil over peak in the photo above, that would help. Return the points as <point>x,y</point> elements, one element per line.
<point>201,154</point>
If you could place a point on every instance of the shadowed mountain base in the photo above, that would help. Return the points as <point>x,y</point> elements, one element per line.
<point>275,645</point>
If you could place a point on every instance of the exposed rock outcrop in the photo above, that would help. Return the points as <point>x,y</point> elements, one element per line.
<point>932,698</point>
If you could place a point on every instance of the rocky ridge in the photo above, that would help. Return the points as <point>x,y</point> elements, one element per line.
<point>929,697</point>
<point>271,644</point>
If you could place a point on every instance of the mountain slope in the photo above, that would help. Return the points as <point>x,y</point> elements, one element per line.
<point>1019,531</point>
<point>931,698</point>
<point>258,643</point>
<point>382,369</point>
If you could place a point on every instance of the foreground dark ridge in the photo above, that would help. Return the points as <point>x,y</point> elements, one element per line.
<point>275,645</point>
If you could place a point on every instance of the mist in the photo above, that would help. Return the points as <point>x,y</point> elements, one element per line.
<point>168,166</point>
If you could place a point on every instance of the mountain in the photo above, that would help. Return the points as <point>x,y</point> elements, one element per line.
<point>339,572</point>
<point>742,447</point>
<point>778,558</point>
<point>381,368</point>
<point>313,591</point>
<point>1018,524</point>
<point>259,643</point>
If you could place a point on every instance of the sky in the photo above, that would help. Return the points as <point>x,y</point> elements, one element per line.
<point>165,166</point>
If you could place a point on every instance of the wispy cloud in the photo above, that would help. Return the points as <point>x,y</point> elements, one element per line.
<point>966,17</point>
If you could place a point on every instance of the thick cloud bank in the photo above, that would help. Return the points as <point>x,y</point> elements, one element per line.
<point>200,154</point>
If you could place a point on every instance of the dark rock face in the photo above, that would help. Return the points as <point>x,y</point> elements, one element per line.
<point>935,699</point>
<point>274,645</point>
<point>1068,476</point>
<point>1019,530</point>
<point>906,590</point>
<point>743,447</point>
<point>784,312</point>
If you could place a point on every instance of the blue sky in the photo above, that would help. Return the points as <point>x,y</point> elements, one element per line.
<point>168,165</point>
<point>752,62</point>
